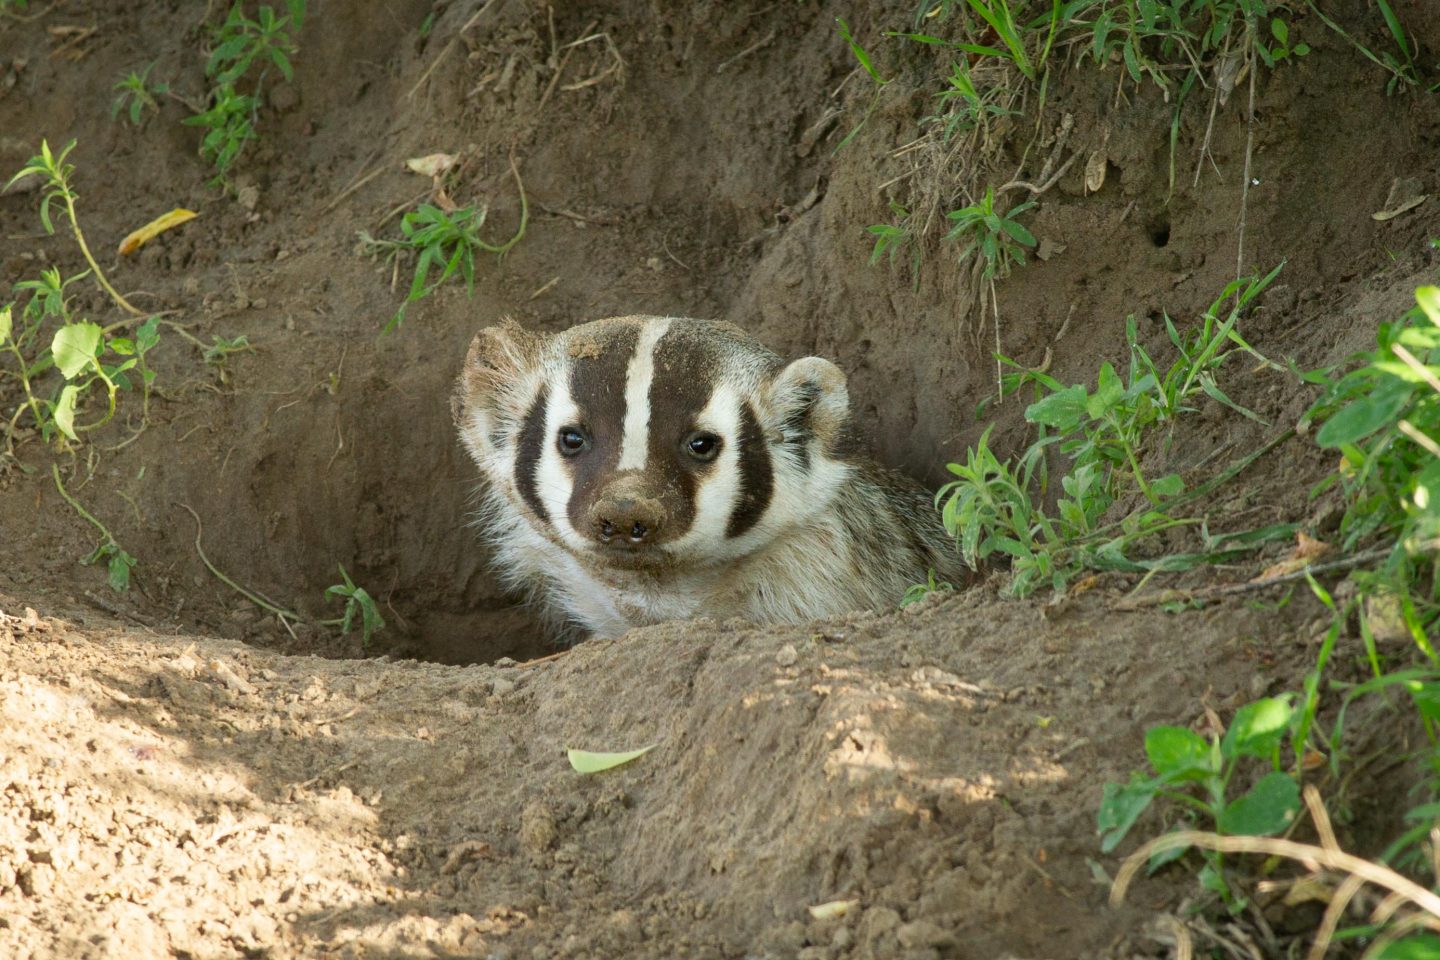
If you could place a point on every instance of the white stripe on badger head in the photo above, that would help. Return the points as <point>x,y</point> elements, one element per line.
<point>719,488</point>
<point>639,375</point>
<point>553,483</point>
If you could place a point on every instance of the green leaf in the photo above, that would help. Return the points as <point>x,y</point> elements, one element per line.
<point>75,347</point>
<point>1423,946</point>
<point>1108,392</point>
<point>1257,728</point>
<point>5,323</point>
<point>1429,300</point>
<point>1178,754</point>
<point>1364,416</point>
<point>586,761</point>
<point>1280,31</point>
<point>1266,809</point>
<point>64,415</point>
<point>119,571</point>
<point>1064,410</point>
<point>1168,486</point>
<point>1120,806</point>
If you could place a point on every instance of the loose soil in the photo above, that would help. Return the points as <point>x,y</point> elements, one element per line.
<point>182,775</point>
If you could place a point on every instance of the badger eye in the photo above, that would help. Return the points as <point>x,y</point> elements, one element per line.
<point>572,440</point>
<point>702,446</point>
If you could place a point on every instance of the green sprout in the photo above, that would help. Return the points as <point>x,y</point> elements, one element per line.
<point>57,187</point>
<point>135,95</point>
<point>357,601</point>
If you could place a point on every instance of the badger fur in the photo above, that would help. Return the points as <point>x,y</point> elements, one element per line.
<point>642,469</point>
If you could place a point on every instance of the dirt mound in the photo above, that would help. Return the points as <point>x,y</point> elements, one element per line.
<point>940,767</point>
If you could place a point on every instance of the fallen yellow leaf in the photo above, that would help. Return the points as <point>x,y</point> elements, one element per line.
<point>432,165</point>
<point>154,228</point>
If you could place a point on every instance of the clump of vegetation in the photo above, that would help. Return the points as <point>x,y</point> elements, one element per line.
<point>443,239</point>
<point>1196,774</point>
<point>136,93</point>
<point>1382,417</point>
<point>241,47</point>
<point>996,508</point>
<point>999,238</point>
<point>357,603</point>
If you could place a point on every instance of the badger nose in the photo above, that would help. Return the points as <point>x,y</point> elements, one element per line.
<point>627,521</point>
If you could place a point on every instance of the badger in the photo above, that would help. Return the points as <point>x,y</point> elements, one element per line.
<point>642,469</point>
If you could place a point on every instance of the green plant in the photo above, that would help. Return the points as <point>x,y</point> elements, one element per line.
<point>1383,418</point>
<point>999,237</point>
<point>919,591</point>
<point>241,42</point>
<point>229,126</point>
<point>962,106</point>
<point>1196,775</point>
<point>892,240</point>
<point>448,240</point>
<point>1282,49</point>
<point>85,355</point>
<point>135,95</point>
<point>357,601</point>
<point>996,507</point>
<point>57,175</point>
<point>1000,21</point>
<point>1402,68</point>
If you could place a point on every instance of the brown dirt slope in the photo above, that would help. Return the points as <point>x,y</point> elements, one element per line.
<point>169,793</point>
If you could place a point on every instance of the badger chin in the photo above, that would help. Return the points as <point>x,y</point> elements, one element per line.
<point>649,560</point>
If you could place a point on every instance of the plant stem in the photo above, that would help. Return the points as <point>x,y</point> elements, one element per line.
<point>75,504</point>
<point>284,615</point>
<point>89,258</point>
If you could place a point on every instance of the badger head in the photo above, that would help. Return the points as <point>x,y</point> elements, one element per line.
<point>652,442</point>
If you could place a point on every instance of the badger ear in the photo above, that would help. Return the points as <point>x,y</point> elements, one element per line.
<point>809,397</point>
<point>498,356</point>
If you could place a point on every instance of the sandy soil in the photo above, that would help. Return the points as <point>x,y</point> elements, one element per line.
<point>182,776</point>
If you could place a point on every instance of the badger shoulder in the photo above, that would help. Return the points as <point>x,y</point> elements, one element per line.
<point>862,548</point>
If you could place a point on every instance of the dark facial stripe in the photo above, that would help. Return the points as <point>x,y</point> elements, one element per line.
<point>685,368</point>
<point>757,481</point>
<point>527,460</point>
<point>597,385</point>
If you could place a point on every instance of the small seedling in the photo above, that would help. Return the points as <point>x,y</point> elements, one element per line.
<point>229,124</point>
<point>963,107</point>
<point>1000,239</point>
<point>444,240</point>
<point>357,601</point>
<point>919,591</point>
<point>135,95</point>
<point>1281,50</point>
<point>892,240</point>
<point>1196,775</point>
<point>57,187</point>
<point>241,42</point>
<point>220,349</point>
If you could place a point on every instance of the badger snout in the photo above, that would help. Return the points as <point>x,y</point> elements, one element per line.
<point>627,521</point>
<point>627,514</point>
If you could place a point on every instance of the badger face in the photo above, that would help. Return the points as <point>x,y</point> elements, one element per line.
<point>652,443</point>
